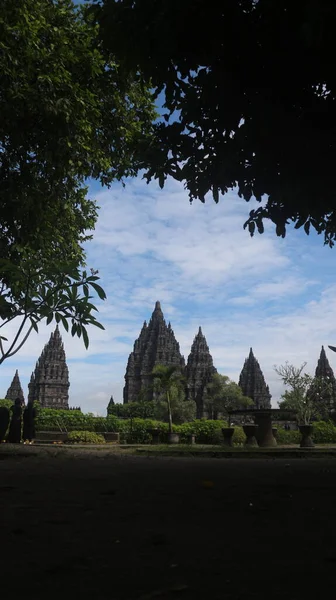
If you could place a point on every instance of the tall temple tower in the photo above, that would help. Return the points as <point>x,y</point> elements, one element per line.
<point>199,371</point>
<point>155,345</point>
<point>15,390</point>
<point>253,384</point>
<point>49,383</point>
<point>325,373</point>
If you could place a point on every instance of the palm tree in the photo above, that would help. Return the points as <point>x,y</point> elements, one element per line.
<point>167,379</point>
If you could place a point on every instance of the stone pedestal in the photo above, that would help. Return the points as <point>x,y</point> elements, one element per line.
<point>251,433</point>
<point>228,435</point>
<point>306,440</point>
<point>265,435</point>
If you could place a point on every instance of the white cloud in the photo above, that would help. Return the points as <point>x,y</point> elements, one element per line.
<point>275,295</point>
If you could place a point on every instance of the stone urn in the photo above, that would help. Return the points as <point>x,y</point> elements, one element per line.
<point>227,435</point>
<point>155,433</point>
<point>251,433</point>
<point>306,440</point>
<point>173,438</point>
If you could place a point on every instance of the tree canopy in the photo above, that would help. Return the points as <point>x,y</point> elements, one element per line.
<point>223,395</point>
<point>67,113</point>
<point>306,394</point>
<point>250,91</point>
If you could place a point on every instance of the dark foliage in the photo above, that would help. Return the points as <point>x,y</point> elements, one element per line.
<point>250,90</point>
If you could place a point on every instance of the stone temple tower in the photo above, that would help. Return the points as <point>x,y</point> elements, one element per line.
<point>49,383</point>
<point>15,390</point>
<point>199,371</point>
<point>155,345</point>
<point>325,373</point>
<point>253,384</point>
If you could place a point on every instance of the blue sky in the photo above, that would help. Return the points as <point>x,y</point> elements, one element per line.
<point>278,296</point>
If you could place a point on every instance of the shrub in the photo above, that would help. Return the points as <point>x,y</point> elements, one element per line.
<point>141,410</point>
<point>206,431</point>
<point>239,436</point>
<point>137,431</point>
<point>286,438</point>
<point>6,403</point>
<point>85,437</point>
<point>324,432</point>
<point>112,423</point>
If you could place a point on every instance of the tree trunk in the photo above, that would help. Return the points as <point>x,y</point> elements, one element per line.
<point>170,420</point>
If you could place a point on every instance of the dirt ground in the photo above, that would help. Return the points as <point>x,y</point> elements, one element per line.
<point>124,527</point>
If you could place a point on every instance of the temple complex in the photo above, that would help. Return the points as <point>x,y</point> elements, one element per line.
<point>199,371</point>
<point>155,345</point>
<point>49,383</point>
<point>15,389</point>
<point>253,384</point>
<point>325,373</point>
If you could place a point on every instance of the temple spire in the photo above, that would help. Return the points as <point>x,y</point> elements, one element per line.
<point>253,384</point>
<point>15,389</point>
<point>110,405</point>
<point>327,395</point>
<point>49,383</point>
<point>156,344</point>
<point>199,371</point>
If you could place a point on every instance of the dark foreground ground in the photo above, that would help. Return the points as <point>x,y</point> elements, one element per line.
<point>123,527</point>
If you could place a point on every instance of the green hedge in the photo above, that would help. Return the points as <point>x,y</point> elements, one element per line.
<point>139,410</point>
<point>324,432</point>
<point>137,430</point>
<point>287,438</point>
<point>85,437</point>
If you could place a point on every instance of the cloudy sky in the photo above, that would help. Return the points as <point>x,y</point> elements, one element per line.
<point>278,296</point>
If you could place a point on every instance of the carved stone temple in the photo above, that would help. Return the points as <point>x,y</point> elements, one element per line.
<point>199,371</point>
<point>49,383</point>
<point>253,384</point>
<point>326,374</point>
<point>155,345</point>
<point>15,389</point>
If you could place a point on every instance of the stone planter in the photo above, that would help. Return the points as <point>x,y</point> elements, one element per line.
<point>155,433</point>
<point>250,432</point>
<point>227,435</point>
<point>49,437</point>
<point>191,438</point>
<point>306,440</point>
<point>275,432</point>
<point>112,437</point>
<point>173,438</point>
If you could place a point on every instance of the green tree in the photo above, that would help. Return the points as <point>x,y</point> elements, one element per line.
<point>223,395</point>
<point>38,295</point>
<point>168,385</point>
<point>249,98</point>
<point>305,394</point>
<point>67,113</point>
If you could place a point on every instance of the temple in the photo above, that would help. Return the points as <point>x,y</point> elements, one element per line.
<point>49,383</point>
<point>325,373</point>
<point>15,390</point>
<point>199,371</point>
<point>253,384</point>
<point>110,406</point>
<point>155,345</point>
